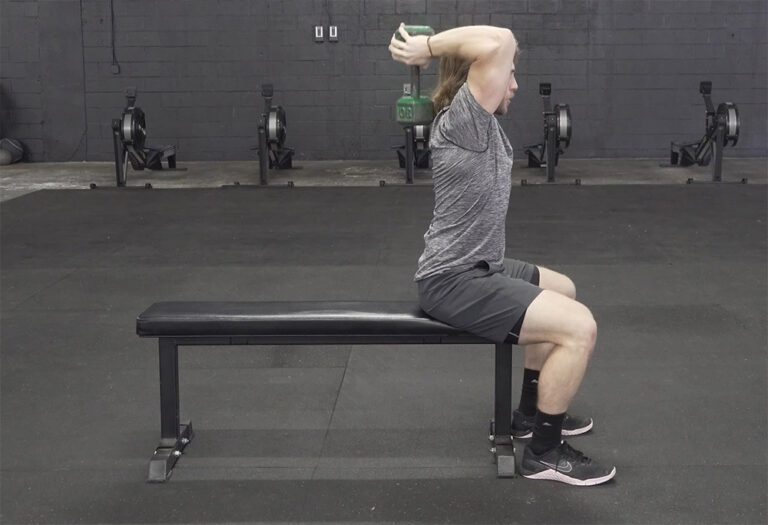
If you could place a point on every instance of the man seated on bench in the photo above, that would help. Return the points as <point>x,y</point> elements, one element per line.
<point>463,277</point>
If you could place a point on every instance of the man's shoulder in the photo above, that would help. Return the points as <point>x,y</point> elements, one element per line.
<point>463,123</point>
<point>465,102</point>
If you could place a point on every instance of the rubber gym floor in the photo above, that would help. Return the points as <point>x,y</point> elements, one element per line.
<point>675,275</point>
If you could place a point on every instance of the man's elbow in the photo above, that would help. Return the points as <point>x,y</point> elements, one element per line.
<point>503,40</point>
<point>499,40</point>
<point>506,38</point>
<point>496,40</point>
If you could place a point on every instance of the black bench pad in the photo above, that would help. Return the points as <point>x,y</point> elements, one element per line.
<point>358,321</point>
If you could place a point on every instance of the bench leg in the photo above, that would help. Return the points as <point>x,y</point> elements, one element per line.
<point>501,428</point>
<point>174,436</point>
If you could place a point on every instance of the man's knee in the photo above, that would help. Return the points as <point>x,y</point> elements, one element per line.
<point>569,288</point>
<point>554,318</point>
<point>585,333</point>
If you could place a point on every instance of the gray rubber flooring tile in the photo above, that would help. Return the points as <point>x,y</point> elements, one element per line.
<point>650,494</point>
<point>675,277</point>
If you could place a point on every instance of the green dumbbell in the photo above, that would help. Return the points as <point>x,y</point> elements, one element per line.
<point>413,109</point>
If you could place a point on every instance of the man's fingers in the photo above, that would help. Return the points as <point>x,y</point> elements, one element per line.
<point>399,57</point>
<point>401,50</point>
<point>396,43</point>
<point>396,52</point>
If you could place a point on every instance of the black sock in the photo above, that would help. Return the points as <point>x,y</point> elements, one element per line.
<point>530,392</point>
<point>546,432</point>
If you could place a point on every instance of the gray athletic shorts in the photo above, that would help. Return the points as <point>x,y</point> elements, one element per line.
<point>480,301</point>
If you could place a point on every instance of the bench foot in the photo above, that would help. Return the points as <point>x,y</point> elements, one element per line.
<point>504,457</point>
<point>503,450</point>
<point>168,453</point>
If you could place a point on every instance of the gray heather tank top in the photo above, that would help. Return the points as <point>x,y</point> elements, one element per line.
<point>471,168</point>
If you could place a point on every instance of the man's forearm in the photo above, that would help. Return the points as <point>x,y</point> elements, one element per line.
<point>471,42</point>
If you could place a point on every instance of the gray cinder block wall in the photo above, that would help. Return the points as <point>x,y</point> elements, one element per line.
<point>629,69</point>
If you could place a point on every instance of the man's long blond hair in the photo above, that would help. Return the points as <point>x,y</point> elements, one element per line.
<point>452,75</point>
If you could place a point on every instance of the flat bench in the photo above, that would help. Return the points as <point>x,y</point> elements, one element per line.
<point>301,323</point>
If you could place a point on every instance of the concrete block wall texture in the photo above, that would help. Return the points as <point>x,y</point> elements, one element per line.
<point>629,69</point>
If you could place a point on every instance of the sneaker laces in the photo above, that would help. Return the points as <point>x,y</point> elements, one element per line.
<point>569,452</point>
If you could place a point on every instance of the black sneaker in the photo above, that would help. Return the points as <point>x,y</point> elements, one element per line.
<point>522,425</point>
<point>565,464</point>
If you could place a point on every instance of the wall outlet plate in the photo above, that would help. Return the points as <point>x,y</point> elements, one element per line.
<point>333,33</point>
<point>319,34</point>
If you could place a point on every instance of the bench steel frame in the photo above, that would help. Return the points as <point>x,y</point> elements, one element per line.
<point>176,435</point>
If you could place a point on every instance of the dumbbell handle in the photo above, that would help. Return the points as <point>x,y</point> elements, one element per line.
<point>416,70</point>
<point>415,81</point>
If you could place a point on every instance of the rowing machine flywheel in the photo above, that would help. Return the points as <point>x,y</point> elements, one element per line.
<point>134,127</point>
<point>276,126</point>
<point>563,113</point>
<point>729,113</point>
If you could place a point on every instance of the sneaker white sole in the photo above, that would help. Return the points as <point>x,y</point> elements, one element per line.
<point>552,475</point>
<point>577,431</point>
